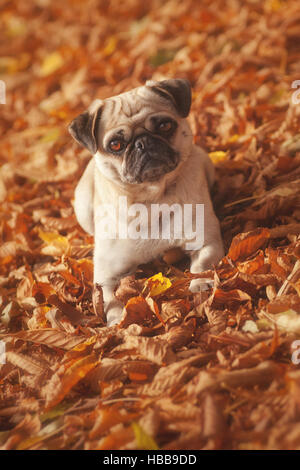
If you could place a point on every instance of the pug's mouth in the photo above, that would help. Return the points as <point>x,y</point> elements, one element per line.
<point>148,159</point>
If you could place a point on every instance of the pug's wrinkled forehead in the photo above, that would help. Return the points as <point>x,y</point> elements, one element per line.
<point>129,109</point>
<point>135,104</point>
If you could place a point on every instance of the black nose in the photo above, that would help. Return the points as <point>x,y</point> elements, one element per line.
<point>141,142</point>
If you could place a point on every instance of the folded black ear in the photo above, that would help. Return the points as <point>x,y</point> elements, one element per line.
<point>177,90</point>
<point>84,127</point>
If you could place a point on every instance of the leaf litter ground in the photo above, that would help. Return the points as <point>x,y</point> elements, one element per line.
<point>183,371</point>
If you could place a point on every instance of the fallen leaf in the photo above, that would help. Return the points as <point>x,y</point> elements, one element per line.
<point>248,243</point>
<point>51,63</point>
<point>157,284</point>
<point>64,379</point>
<point>142,439</point>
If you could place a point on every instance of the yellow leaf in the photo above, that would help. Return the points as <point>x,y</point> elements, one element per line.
<point>110,46</point>
<point>51,136</point>
<point>83,346</point>
<point>51,63</point>
<point>217,156</point>
<point>143,440</point>
<point>58,113</point>
<point>14,64</point>
<point>8,64</point>
<point>273,5</point>
<point>86,267</point>
<point>234,138</point>
<point>16,26</point>
<point>55,412</point>
<point>55,240</point>
<point>263,324</point>
<point>158,284</point>
<point>52,237</point>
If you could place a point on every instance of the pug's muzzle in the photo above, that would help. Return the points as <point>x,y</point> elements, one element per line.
<point>147,159</point>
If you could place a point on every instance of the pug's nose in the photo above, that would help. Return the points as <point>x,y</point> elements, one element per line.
<point>140,143</point>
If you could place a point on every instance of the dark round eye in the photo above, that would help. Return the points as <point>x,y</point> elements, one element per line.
<point>165,126</point>
<point>116,145</point>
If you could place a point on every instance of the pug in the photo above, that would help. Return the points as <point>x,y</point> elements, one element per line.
<point>143,153</point>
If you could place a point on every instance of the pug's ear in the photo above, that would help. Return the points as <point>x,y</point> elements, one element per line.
<point>176,90</point>
<point>84,127</point>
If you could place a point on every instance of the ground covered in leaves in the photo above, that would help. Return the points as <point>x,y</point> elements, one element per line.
<point>205,371</point>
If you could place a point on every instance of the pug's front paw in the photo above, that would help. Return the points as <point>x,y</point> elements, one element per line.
<point>114,314</point>
<point>109,309</point>
<point>198,285</point>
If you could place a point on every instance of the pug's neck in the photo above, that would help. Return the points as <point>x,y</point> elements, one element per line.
<point>109,188</point>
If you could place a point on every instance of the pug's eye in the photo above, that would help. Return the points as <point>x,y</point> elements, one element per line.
<point>116,145</point>
<point>165,127</point>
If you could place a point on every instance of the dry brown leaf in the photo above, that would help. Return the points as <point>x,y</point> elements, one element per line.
<point>129,287</point>
<point>107,418</point>
<point>32,366</point>
<point>246,244</point>
<point>136,311</point>
<point>65,378</point>
<point>108,370</point>
<point>153,349</point>
<point>283,303</point>
<point>258,353</point>
<point>214,422</point>
<point>49,337</point>
<point>260,375</point>
<point>30,425</point>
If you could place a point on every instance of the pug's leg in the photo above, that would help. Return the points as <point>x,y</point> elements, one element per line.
<point>208,256</point>
<point>111,262</point>
<point>110,310</point>
<point>83,199</point>
<point>113,308</point>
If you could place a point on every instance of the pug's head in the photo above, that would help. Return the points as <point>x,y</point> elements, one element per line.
<point>141,135</point>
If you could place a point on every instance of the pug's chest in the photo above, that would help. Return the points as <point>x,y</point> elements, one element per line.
<point>141,232</point>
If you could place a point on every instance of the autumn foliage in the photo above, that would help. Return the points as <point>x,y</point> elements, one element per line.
<point>212,370</point>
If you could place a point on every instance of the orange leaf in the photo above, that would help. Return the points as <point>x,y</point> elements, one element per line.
<point>65,379</point>
<point>136,311</point>
<point>235,295</point>
<point>154,307</point>
<point>117,439</point>
<point>136,376</point>
<point>107,418</point>
<point>253,265</point>
<point>246,244</point>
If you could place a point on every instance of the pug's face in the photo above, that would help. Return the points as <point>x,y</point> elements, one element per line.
<point>141,135</point>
